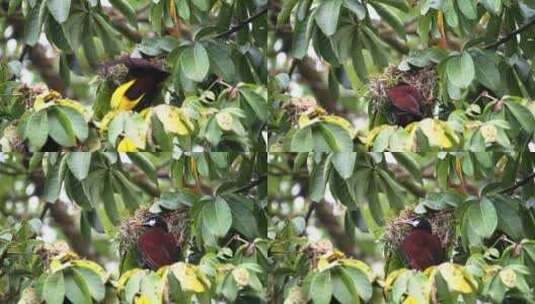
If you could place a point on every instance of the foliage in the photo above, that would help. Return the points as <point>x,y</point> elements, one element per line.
<point>480,51</point>
<point>212,51</point>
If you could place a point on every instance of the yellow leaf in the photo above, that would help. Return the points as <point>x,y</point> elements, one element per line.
<point>142,300</point>
<point>339,121</point>
<point>508,277</point>
<point>173,119</point>
<point>391,278</point>
<point>455,277</point>
<point>489,133</point>
<point>121,283</point>
<point>127,145</point>
<point>374,132</point>
<point>437,132</point>
<point>359,265</point>
<point>76,106</point>
<point>186,275</point>
<point>224,121</point>
<point>410,300</point>
<point>323,264</point>
<point>105,122</point>
<point>241,276</point>
<point>120,102</point>
<point>96,268</point>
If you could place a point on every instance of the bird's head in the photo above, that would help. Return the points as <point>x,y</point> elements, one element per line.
<point>155,221</point>
<point>419,223</point>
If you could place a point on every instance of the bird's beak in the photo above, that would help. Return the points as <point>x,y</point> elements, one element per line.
<point>409,222</point>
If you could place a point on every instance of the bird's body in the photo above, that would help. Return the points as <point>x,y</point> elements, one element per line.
<point>157,247</point>
<point>405,101</point>
<point>421,248</point>
<point>141,86</point>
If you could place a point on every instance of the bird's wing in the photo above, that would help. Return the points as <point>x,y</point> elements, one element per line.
<point>157,249</point>
<point>405,99</point>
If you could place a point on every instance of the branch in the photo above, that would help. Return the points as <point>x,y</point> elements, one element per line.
<point>251,185</point>
<point>517,184</point>
<point>240,25</point>
<point>510,35</point>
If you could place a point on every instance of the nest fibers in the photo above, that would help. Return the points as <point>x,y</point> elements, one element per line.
<point>424,80</point>
<point>441,225</point>
<point>132,228</point>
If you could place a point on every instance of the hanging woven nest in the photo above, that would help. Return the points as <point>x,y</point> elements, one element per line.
<point>441,224</point>
<point>424,80</point>
<point>132,228</point>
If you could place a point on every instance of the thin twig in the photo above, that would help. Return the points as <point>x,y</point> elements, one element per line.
<point>240,25</point>
<point>518,184</point>
<point>45,210</point>
<point>510,35</point>
<point>251,185</point>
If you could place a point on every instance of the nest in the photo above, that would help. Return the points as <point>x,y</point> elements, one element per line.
<point>441,225</point>
<point>299,105</point>
<point>132,228</point>
<point>423,80</point>
<point>57,250</point>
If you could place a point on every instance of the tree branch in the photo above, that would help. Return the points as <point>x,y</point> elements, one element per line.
<point>518,184</point>
<point>240,25</point>
<point>510,35</point>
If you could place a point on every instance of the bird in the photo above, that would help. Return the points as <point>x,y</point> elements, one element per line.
<point>405,101</point>
<point>157,247</point>
<point>140,86</point>
<point>420,247</point>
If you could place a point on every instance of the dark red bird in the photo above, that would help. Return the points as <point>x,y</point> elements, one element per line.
<point>157,247</point>
<point>405,100</point>
<point>421,248</point>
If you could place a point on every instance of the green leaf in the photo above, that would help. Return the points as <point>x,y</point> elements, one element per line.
<point>359,64</point>
<point>76,289</point>
<point>256,102</point>
<point>54,178</point>
<point>468,8</point>
<point>78,123</point>
<point>127,10</point>
<point>356,7</point>
<point>522,114</point>
<point>59,9</point>
<point>407,160</point>
<point>483,217</point>
<point>493,6</point>
<point>108,199</point>
<point>327,15</point>
<point>217,216</point>
<point>144,163</point>
<point>344,162</point>
<point>37,130</point>
<point>203,5</point>
<point>391,19</point>
<point>361,282</point>
<point>302,140</point>
<point>460,70</point>
<point>33,22</point>
<point>337,138</point>
<point>94,283</point>
<point>55,288</point>
<point>194,62</point>
<point>221,60</point>
<point>318,181</point>
<point>487,71</point>
<point>320,288</point>
<point>286,10</point>
<point>343,288</point>
<point>64,71</point>
<point>60,128</point>
<point>79,163</point>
